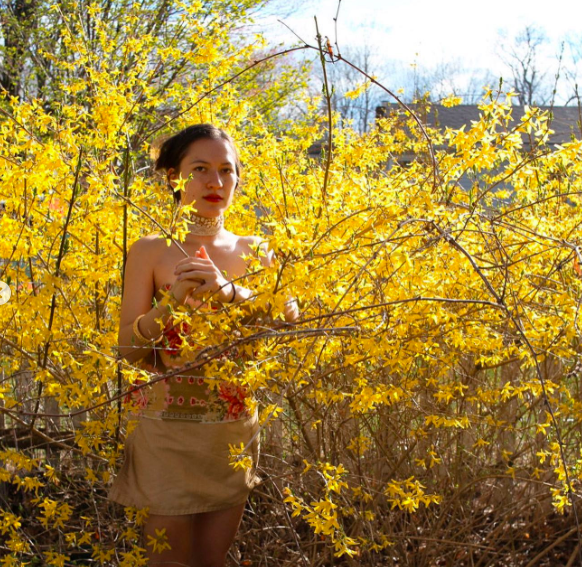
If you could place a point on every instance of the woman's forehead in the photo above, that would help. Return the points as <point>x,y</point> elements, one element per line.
<point>209,150</point>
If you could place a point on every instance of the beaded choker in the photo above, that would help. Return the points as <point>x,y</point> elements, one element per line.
<point>204,226</point>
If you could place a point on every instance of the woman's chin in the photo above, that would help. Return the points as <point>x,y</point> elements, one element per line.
<point>208,211</point>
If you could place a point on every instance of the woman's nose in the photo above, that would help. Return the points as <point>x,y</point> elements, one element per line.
<point>214,179</point>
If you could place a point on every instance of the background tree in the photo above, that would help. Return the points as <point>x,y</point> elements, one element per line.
<point>352,97</point>
<point>37,41</point>
<point>444,79</point>
<point>529,78</point>
<point>17,22</point>
<point>573,69</point>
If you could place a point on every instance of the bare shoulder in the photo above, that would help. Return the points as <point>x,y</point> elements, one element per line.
<point>147,246</point>
<point>145,253</point>
<point>258,247</point>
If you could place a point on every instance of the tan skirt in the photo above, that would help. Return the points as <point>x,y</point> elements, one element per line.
<point>179,467</point>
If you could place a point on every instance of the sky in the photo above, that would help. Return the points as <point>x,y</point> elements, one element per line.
<point>428,33</point>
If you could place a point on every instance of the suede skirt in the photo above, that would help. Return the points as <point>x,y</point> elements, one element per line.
<point>177,467</point>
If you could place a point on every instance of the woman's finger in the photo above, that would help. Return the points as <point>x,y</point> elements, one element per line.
<point>197,276</point>
<point>194,265</point>
<point>203,253</point>
<point>195,258</point>
<point>185,260</point>
<point>195,261</point>
<point>202,289</point>
<point>182,290</point>
<point>207,288</point>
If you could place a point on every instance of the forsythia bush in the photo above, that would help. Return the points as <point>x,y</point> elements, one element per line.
<point>436,351</point>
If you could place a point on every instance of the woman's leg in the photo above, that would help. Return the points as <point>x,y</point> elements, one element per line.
<point>179,534</point>
<point>213,534</point>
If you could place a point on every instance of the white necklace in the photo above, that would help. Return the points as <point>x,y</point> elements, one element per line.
<point>204,226</point>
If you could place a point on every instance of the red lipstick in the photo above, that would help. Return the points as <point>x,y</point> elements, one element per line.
<point>213,198</point>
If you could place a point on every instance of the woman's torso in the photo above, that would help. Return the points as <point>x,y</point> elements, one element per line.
<point>190,395</point>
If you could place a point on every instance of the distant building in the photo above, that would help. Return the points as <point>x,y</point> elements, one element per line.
<point>565,122</point>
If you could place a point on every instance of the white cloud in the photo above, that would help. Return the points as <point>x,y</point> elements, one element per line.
<point>429,33</point>
<point>426,30</point>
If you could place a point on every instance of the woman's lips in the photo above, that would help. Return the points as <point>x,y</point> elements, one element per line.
<point>213,198</point>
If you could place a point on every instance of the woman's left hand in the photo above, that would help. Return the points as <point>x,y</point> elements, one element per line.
<point>291,310</point>
<point>201,267</point>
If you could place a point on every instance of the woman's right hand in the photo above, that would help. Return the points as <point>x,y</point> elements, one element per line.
<point>183,288</point>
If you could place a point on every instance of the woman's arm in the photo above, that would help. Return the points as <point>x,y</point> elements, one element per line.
<point>291,310</point>
<point>267,257</point>
<point>138,291</point>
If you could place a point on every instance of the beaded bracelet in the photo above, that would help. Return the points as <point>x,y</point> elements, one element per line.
<point>140,337</point>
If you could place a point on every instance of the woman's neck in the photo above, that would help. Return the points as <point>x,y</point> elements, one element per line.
<point>204,226</point>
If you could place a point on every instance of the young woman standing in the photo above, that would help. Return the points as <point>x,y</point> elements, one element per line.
<point>177,458</point>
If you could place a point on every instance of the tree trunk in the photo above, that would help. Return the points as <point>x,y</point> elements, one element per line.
<point>16,21</point>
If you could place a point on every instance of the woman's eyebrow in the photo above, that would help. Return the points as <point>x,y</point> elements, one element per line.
<point>208,163</point>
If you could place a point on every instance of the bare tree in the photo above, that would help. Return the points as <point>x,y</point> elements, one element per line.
<point>444,79</point>
<point>573,69</point>
<point>16,23</point>
<point>344,79</point>
<point>522,56</point>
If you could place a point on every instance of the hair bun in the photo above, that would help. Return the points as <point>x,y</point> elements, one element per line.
<point>156,147</point>
<point>154,153</point>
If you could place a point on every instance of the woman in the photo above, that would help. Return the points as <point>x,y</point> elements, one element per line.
<point>177,463</point>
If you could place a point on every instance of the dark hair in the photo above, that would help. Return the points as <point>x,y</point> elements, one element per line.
<point>174,149</point>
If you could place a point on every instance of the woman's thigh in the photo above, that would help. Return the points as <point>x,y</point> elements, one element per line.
<point>213,534</point>
<point>178,534</point>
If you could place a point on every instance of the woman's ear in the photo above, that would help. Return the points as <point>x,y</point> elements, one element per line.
<point>171,175</point>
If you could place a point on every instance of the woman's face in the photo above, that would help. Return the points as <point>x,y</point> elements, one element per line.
<point>210,167</point>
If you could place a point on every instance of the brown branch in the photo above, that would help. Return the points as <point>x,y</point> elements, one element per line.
<point>327,96</point>
<point>53,306</point>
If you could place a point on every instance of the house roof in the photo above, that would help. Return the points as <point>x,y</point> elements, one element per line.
<point>565,122</point>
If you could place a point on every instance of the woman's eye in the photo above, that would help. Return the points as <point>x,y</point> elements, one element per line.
<point>227,170</point>
<point>200,168</point>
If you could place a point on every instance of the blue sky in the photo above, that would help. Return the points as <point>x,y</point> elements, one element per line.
<point>429,33</point>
